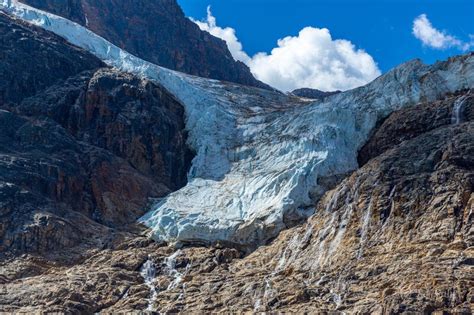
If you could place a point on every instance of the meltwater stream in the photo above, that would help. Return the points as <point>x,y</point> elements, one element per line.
<point>171,271</point>
<point>149,272</point>
<point>261,156</point>
<point>458,106</point>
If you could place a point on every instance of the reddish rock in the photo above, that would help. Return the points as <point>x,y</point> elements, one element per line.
<point>156,31</point>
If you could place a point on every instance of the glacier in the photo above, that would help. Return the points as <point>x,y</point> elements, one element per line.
<point>261,156</point>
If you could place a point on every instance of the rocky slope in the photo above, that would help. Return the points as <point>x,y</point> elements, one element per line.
<point>83,148</point>
<point>156,31</point>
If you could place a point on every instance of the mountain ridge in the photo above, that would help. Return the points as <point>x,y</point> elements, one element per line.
<point>313,93</point>
<point>156,31</point>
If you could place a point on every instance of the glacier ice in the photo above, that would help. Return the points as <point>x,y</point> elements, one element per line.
<point>261,155</point>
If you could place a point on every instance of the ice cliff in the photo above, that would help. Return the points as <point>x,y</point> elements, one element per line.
<point>261,156</point>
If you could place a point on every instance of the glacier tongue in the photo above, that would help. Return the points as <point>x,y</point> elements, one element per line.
<point>260,154</point>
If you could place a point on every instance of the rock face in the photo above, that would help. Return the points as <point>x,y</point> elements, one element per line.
<point>132,118</point>
<point>156,31</point>
<point>82,152</point>
<point>33,59</point>
<point>313,93</point>
<point>405,125</point>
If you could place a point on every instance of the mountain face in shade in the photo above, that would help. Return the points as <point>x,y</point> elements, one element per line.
<point>82,147</point>
<point>156,31</point>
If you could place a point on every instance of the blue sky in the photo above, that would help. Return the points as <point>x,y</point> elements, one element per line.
<point>383,28</point>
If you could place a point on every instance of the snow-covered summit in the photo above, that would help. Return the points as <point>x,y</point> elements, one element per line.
<point>261,155</point>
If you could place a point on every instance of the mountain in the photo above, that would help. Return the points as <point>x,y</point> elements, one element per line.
<point>156,31</point>
<point>252,200</point>
<point>244,144</point>
<point>313,93</point>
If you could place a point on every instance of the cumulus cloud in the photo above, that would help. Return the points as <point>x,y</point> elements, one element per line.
<point>311,59</point>
<point>227,34</point>
<point>431,37</point>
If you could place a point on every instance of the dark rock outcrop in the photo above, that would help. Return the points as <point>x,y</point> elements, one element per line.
<point>156,31</point>
<point>55,189</point>
<point>132,118</point>
<point>32,59</point>
<point>313,93</point>
<point>411,122</point>
<point>83,148</point>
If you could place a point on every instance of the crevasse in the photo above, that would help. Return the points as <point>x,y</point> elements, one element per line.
<point>261,155</point>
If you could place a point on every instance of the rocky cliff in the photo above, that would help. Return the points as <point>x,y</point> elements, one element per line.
<point>83,147</point>
<point>156,31</point>
<point>33,59</point>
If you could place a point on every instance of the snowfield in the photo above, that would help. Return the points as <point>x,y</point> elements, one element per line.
<point>262,156</point>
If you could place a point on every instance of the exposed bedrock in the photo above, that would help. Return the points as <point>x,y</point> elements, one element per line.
<point>83,148</point>
<point>407,124</point>
<point>33,59</point>
<point>313,93</point>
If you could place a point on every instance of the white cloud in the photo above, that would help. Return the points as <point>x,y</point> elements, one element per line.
<point>431,37</point>
<point>313,59</point>
<point>227,34</point>
<point>310,59</point>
